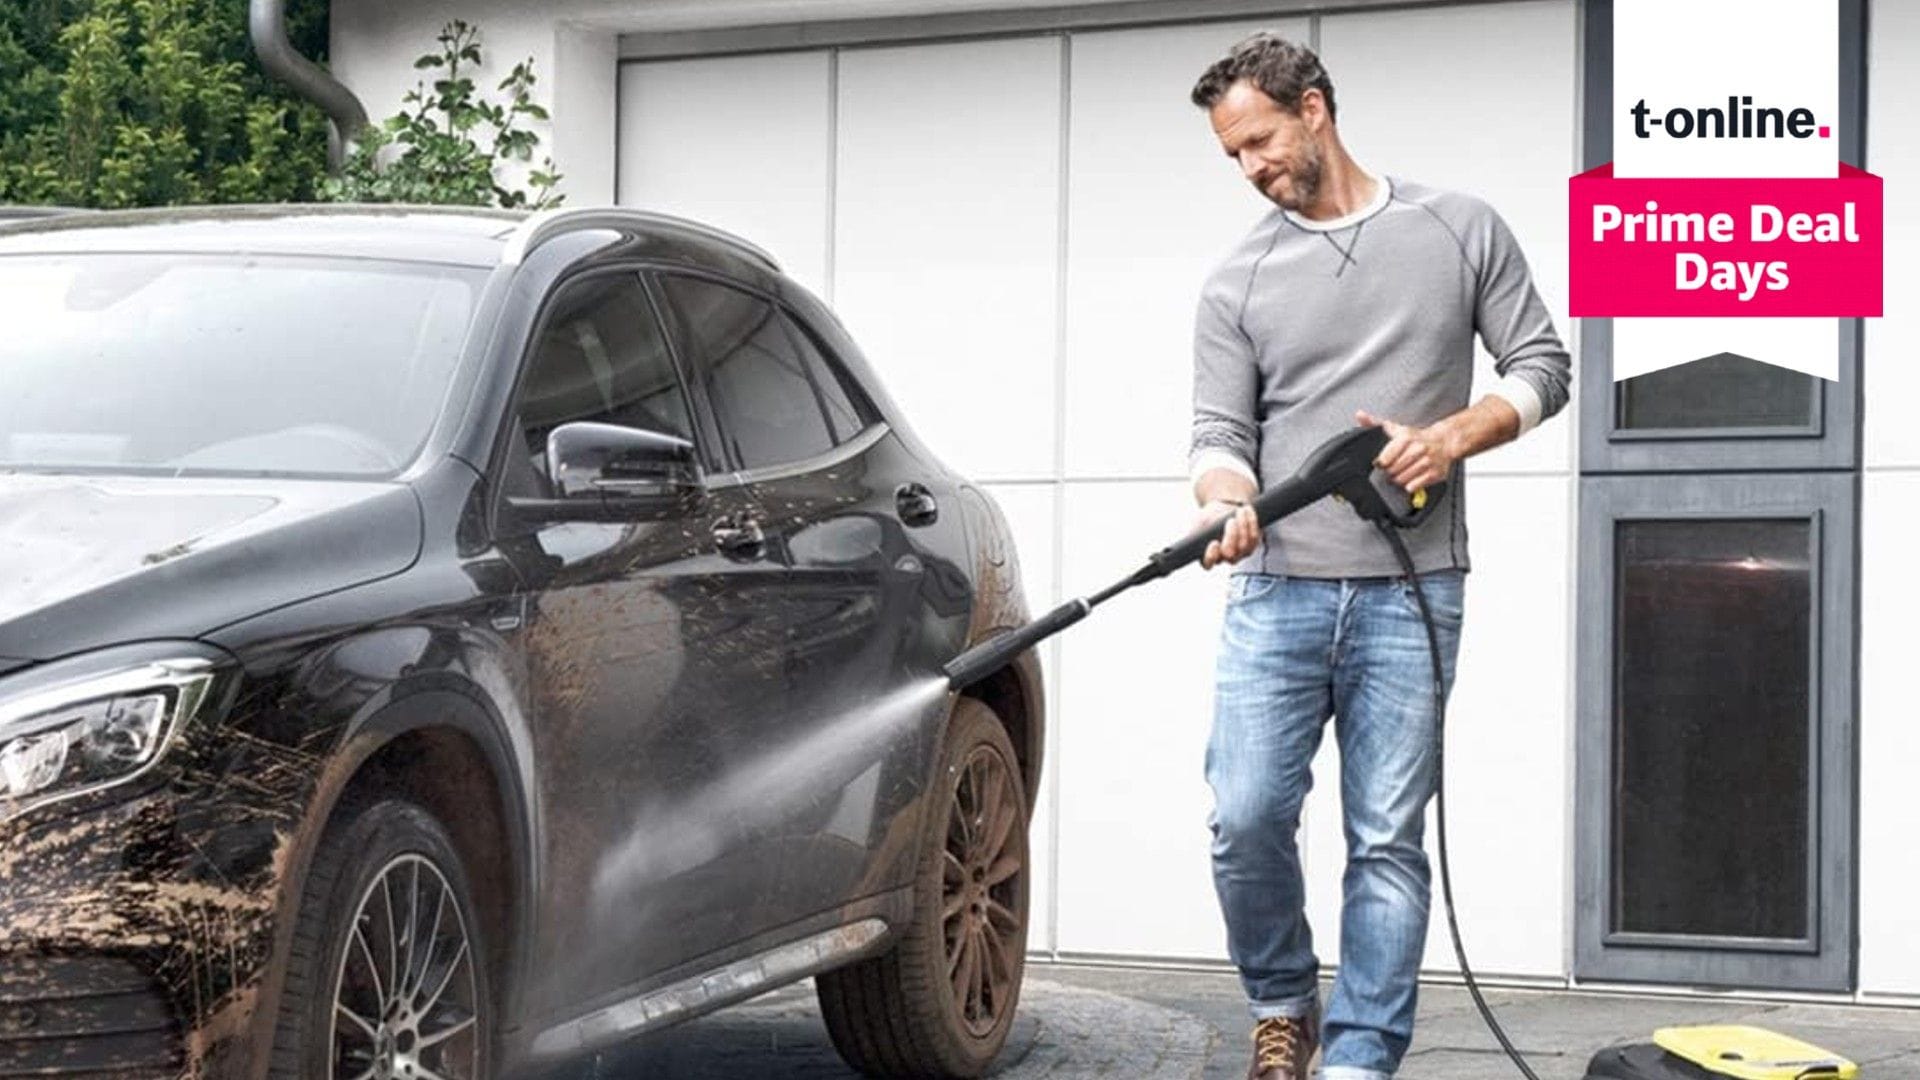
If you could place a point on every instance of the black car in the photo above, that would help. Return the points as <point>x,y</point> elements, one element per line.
<point>448,644</point>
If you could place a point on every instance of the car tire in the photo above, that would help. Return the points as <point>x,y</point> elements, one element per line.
<point>387,975</point>
<point>940,1004</point>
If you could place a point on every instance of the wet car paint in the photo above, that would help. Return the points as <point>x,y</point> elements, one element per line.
<point>559,695</point>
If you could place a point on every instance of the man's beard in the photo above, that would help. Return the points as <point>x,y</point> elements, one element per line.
<point>1305,173</point>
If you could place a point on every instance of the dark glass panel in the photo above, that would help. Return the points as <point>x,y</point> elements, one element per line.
<point>1723,391</point>
<point>1712,677</point>
<point>755,373</point>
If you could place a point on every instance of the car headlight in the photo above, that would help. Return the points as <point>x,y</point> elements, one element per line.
<point>91,733</point>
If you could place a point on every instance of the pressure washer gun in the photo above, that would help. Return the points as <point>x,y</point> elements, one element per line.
<point>1341,467</point>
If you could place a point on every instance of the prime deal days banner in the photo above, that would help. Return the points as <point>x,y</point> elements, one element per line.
<point>1726,221</point>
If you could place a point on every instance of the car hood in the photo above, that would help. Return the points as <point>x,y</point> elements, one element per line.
<point>87,562</point>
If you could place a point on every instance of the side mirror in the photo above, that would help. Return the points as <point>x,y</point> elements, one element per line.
<point>612,463</point>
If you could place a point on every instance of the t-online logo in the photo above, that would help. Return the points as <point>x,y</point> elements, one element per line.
<point>1738,120</point>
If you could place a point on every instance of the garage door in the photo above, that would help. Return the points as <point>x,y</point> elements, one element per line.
<point>1015,227</point>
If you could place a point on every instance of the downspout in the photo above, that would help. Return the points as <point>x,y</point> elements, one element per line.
<point>267,24</point>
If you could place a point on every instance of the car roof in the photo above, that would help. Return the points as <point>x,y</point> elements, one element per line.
<point>411,233</point>
<point>469,236</point>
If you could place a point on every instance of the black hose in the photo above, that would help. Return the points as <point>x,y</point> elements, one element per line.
<point>1440,796</point>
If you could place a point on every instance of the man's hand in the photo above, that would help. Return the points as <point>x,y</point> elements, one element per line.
<point>1419,457</point>
<point>1237,540</point>
<point>1415,457</point>
<point>1224,493</point>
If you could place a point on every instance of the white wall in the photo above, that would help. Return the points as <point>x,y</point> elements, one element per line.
<point>1890,520</point>
<point>757,164</point>
<point>374,43</point>
<point>574,45</point>
<point>1151,207</point>
<point>948,222</point>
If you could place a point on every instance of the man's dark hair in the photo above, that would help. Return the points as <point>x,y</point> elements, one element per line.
<point>1279,68</point>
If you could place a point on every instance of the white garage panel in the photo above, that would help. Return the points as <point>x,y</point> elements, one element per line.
<point>1030,510</point>
<point>1510,730</point>
<point>1889,738</point>
<point>946,264</point>
<point>693,143</point>
<point>1893,152</point>
<point>1479,99</point>
<point>1136,704</point>
<point>1890,494</point>
<point>1152,205</point>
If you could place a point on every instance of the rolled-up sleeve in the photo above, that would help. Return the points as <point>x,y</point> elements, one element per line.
<point>1534,367</point>
<point>1226,391</point>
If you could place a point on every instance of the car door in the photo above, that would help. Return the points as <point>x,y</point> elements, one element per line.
<point>642,671</point>
<point>846,755</point>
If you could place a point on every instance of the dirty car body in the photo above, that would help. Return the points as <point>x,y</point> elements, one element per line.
<point>263,559</point>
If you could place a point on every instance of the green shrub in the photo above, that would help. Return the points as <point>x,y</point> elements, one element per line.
<point>447,146</point>
<point>115,103</point>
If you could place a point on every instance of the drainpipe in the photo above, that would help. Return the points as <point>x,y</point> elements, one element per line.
<point>267,24</point>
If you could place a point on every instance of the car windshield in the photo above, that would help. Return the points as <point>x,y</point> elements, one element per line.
<point>225,364</point>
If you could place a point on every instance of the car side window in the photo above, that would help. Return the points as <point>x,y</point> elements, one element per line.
<point>773,394</point>
<point>847,418</point>
<point>601,356</point>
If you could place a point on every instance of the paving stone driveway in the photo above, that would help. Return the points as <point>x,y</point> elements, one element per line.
<point>1078,1022</point>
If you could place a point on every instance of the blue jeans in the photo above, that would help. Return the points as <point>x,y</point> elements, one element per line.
<point>1295,652</point>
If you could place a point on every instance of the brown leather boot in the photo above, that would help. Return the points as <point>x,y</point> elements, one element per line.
<point>1284,1048</point>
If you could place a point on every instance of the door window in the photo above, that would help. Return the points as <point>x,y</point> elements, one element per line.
<point>773,393</point>
<point>847,418</point>
<point>600,356</point>
<point>1720,393</point>
<point>1711,737</point>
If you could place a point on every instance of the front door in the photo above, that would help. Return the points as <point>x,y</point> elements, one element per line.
<point>648,666</point>
<point>845,756</point>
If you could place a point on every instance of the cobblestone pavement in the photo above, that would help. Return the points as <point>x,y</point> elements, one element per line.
<point>1078,1022</point>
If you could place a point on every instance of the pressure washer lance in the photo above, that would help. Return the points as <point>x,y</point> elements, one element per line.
<point>1342,467</point>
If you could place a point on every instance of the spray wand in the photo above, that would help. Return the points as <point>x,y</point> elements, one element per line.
<point>1342,467</point>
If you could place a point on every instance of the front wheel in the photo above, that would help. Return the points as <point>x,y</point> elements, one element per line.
<point>387,979</point>
<point>941,1003</point>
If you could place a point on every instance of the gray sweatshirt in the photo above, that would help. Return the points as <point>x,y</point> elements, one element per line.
<point>1307,321</point>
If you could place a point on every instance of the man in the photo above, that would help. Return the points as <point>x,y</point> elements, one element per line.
<point>1355,300</point>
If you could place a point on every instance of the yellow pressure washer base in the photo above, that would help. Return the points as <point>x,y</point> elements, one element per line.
<point>1707,1053</point>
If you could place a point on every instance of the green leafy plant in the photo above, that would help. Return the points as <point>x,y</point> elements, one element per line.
<point>115,103</point>
<point>447,145</point>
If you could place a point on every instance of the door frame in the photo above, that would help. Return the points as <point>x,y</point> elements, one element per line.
<point>1824,961</point>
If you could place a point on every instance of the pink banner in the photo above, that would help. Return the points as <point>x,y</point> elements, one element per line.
<point>1725,247</point>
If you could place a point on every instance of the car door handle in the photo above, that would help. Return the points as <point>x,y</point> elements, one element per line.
<point>916,504</point>
<point>740,536</point>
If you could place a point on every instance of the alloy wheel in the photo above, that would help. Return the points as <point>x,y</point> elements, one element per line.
<point>981,912</point>
<point>405,1001</point>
